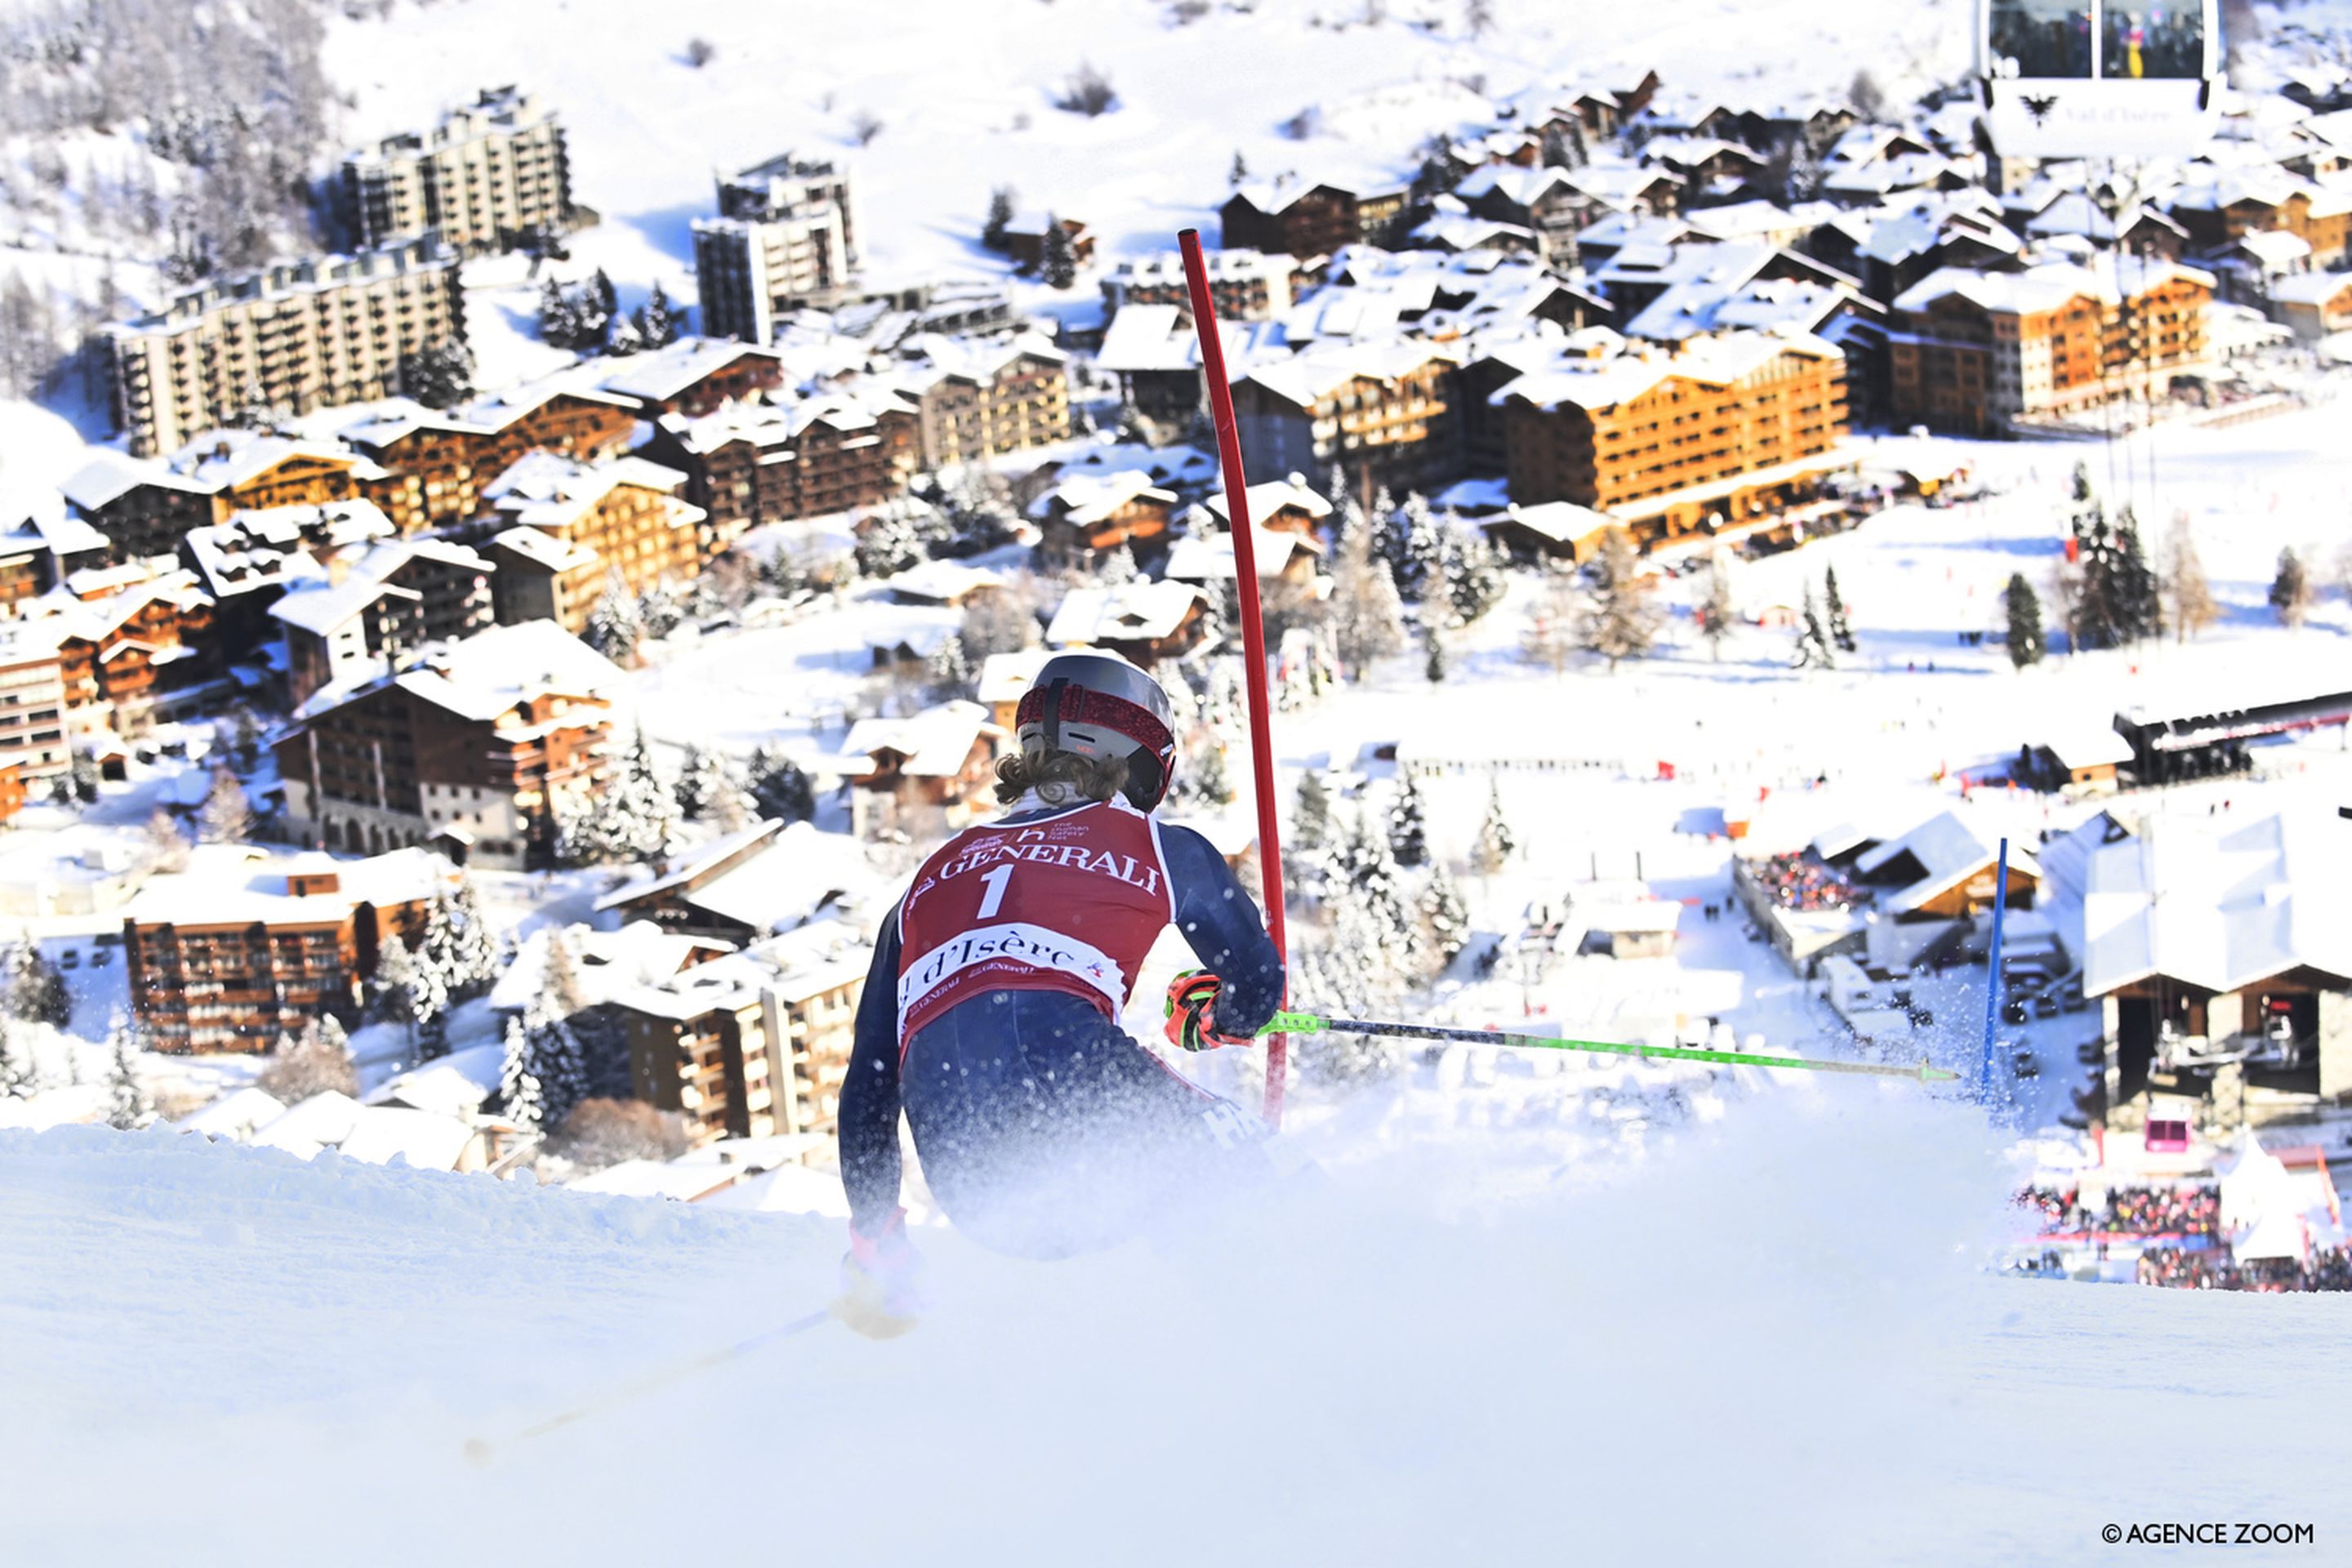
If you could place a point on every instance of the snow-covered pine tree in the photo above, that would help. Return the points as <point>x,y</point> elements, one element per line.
<point>660,608</point>
<point>2025,637</point>
<point>706,774</point>
<point>559,319</point>
<point>2193,605</point>
<point>1305,847</point>
<point>1117,565</point>
<point>1433,652</point>
<point>1415,550</point>
<point>475,960</point>
<point>32,988</point>
<point>1059,265</point>
<point>1001,212</point>
<point>1473,572</point>
<point>127,1100</point>
<point>315,1062</point>
<point>559,976</point>
<point>518,1087</point>
<point>577,828</point>
<point>1206,778</point>
<point>1409,822</point>
<point>1496,843</point>
<point>639,813</point>
<point>1365,877</point>
<point>2290,590</point>
<point>19,1077</point>
<point>166,846</point>
<point>558,1063</point>
<point>1618,620</point>
<point>440,376</point>
<point>1444,916</point>
<point>1840,633</point>
<point>1239,172</point>
<point>1813,651</point>
<point>659,319</point>
<point>615,628</point>
<point>2138,598</point>
<point>1715,611</point>
<point>226,815</point>
<point>394,984</point>
<point>948,671</point>
<point>780,788</point>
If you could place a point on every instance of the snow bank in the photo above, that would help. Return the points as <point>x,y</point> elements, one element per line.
<point>1772,1341</point>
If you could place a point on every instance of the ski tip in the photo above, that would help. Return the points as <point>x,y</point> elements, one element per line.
<point>1937,1075</point>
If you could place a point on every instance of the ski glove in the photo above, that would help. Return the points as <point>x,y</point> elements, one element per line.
<point>882,1286</point>
<point>1190,997</point>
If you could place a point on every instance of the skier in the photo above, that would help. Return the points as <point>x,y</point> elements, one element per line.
<point>991,1013</point>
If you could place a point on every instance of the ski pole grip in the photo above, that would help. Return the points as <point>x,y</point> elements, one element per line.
<point>1294,1024</point>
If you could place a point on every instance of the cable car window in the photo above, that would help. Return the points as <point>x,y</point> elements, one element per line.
<point>2154,42</point>
<point>2041,40</point>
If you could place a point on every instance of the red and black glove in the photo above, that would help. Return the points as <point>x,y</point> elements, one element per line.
<point>1190,996</point>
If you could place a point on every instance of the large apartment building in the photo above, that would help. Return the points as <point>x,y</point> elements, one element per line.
<point>1246,285</point>
<point>1973,351</point>
<point>288,338</point>
<point>489,174</point>
<point>571,528</point>
<point>1717,432</point>
<point>241,948</point>
<point>1386,410</point>
<point>754,1044</point>
<point>462,743</point>
<point>982,397</point>
<point>775,457</point>
<point>438,465</point>
<point>32,702</point>
<point>786,235</point>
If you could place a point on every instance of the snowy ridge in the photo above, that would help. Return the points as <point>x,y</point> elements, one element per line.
<point>1778,1345</point>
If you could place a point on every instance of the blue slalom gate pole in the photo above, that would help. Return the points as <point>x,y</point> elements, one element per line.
<point>1994,979</point>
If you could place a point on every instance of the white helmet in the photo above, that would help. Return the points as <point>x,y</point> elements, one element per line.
<point>1098,705</point>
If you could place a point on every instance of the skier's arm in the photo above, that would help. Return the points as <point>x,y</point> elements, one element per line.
<point>1226,931</point>
<point>869,1130</point>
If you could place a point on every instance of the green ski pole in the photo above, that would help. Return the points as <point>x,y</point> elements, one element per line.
<point>1315,1023</point>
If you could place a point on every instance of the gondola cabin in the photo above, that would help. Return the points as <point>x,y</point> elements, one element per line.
<point>2098,78</point>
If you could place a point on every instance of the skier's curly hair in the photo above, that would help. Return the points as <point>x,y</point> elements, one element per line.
<point>1060,777</point>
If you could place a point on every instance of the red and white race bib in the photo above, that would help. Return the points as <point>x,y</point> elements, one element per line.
<point>1070,902</point>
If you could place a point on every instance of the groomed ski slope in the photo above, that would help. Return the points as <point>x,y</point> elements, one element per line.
<point>1769,1341</point>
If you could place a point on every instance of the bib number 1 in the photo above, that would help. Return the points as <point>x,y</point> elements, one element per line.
<point>994,900</point>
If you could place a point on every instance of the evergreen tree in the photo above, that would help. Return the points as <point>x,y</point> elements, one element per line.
<point>20,1076</point>
<point>1117,565</point>
<point>474,960</point>
<point>1495,844</point>
<point>1445,915</point>
<point>1059,267</point>
<point>1840,633</point>
<point>166,846</point>
<point>317,1062</point>
<point>2193,606</point>
<point>546,1070</point>
<point>1367,615</point>
<point>993,230</point>
<point>2026,640</point>
<point>32,988</point>
<point>660,610</point>
<point>559,319</point>
<point>659,321</point>
<point>1207,778</point>
<point>1365,883</point>
<point>1414,550</point>
<point>1551,623</point>
<point>441,376</point>
<point>518,1087</point>
<point>1305,847</point>
<point>1618,619</point>
<point>604,302</point>
<point>638,813</point>
<point>949,672</point>
<point>614,629</point>
<point>1238,173</point>
<point>1813,650</point>
<point>1473,569</point>
<point>1715,612</point>
<point>2138,601</point>
<point>127,1102</point>
<point>780,789</point>
<point>2290,590</point>
<point>709,775</point>
<point>1432,647</point>
<point>226,815</point>
<point>1407,823</point>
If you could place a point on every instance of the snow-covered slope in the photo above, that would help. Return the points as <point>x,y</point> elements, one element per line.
<point>1778,1345</point>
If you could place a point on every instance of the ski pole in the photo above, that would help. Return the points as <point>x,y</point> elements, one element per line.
<point>1315,1023</point>
<point>480,1451</point>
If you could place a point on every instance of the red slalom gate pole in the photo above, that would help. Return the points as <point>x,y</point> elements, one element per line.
<point>1229,464</point>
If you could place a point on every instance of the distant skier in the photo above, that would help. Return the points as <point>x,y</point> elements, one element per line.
<point>991,1013</point>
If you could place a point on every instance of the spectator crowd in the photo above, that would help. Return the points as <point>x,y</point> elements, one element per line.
<point>1803,881</point>
<point>2330,1269</point>
<point>2129,1211</point>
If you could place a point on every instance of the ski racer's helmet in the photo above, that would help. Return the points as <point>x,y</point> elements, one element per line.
<point>1098,705</point>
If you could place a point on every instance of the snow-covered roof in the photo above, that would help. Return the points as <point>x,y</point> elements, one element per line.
<point>485,675</point>
<point>324,1119</point>
<point>1087,499</point>
<point>606,963</point>
<point>2219,904</point>
<point>2088,746</point>
<point>2311,288</point>
<point>547,489</point>
<point>787,1189</point>
<point>274,546</point>
<point>805,873</point>
<point>1171,465</point>
<point>424,1140</point>
<point>775,419</point>
<point>941,581</point>
<point>235,1115</point>
<point>455,1085</point>
<point>229,884</point>
<point>226,460</point>
<point>979,361</point>
<point>1309,378</point>
<point>1210,557</point>
<point>2274,247</point>
<point>935,742</point>
<point>1160,338</point>
<point>1461,231</point>
<point>1562,522</point>
<point>1605,381</point>
<point>1004,677</point>
<point>2049,287</point>
<point>685,867</point>
<point>321,607</point>
<point>108,476</point>
<point>661,373</point>
<point>1949,851</point>
<point>799,964</point>
<point>1133,611</point>
<point>655,1179</point>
